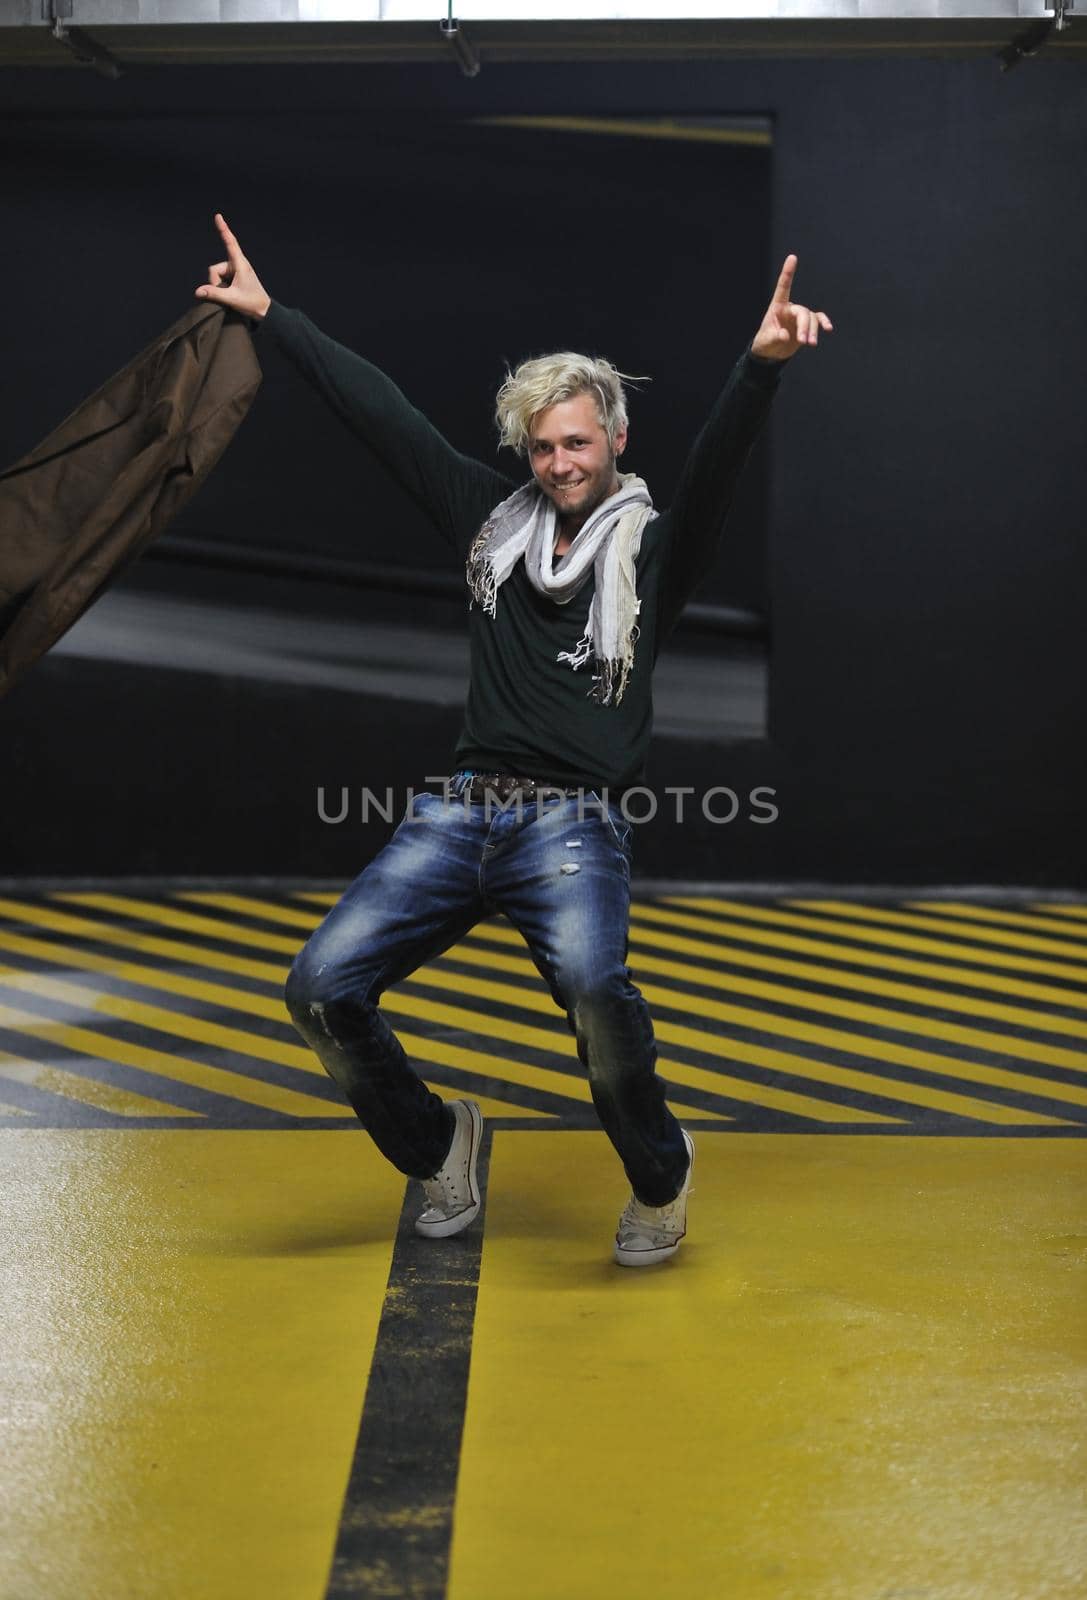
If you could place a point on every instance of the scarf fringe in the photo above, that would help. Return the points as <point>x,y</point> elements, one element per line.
<point>482,574</point>
<point>506,537</point>
<point>581,652</point>
<point>609,684</point>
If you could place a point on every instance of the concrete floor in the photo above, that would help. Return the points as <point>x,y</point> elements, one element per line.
<point>232,1369</point>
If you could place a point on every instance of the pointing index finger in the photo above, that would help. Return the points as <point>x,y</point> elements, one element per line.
<point>233,248</point>
<point>783,292</point>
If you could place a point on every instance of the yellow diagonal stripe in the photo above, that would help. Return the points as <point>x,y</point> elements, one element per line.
<point>856,955</point>
<point>823,1072</point>
<point>64,922</point>
<point>248,905</point>
<point>770,1022</point>
<point>680,1073</point>
<point>253,1091</point>
<point>184,921</point>
<point>102,932</point>
<point>643,939</point>
<point>875,1016</point>
<point>133,972</point>
<point>708,1043</point>
<point>994,914</point>
<point>54,1079</point>
<point>263,1006</point>
<point>260,1005</point>
<point>859,923</point>
<point>517,1073</point>
<point>973,933</point>
<point>290,1102</point>
<point>715,1083</point>
<point>724,949</point>
<point>88,1042</point>
<point>653,937</point>
<point>1054,909</point>
<point>160,1019</point>
<point>695,1077</point>
<point>910,1094</point>
<point>466,1058</point>
<point>253,906</point>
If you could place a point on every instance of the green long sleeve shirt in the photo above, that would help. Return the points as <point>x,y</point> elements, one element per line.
<point>527,713</point>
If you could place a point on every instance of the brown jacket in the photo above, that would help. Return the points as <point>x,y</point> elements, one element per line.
<point>84,504</point>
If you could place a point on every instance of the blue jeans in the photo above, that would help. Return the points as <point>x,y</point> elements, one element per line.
<point>563,880</point>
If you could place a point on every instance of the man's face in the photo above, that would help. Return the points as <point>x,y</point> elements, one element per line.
<point>572,458</point>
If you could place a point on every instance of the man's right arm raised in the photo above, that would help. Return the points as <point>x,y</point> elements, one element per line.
<point>454,491</point>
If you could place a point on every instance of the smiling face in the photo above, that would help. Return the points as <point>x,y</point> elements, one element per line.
<point>572,457</point>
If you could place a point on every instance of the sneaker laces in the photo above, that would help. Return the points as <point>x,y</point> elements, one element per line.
<point>439,1191</point>
<point>657,1219</point>
<point>449,1188</point>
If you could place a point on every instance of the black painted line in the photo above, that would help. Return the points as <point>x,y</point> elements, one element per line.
<point>249,919</point>
<point>769,1122</point>
<point>852,1039</point>
<point>838,975</point>
<point>964,926</point>
<point>154,963</point>
<point>70,1012</point>
<point>883,1103</point>
<point>94,939</point>
<point>396,1525</point>
<point>474,1085</point>
<point>148,922</point>
<point>954,950</point>
<point>49,1108</point>
<point>863,934</point>
<point>157,1082</point>
<point>145,991</point>
<point>797,994</point>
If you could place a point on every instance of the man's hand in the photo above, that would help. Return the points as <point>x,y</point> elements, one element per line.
<point>233,281</point>
<point>786,326</point>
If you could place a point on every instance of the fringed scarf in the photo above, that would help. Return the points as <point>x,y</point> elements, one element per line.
<point>607,543</point>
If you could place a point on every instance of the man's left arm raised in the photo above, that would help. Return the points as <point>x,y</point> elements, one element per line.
<point>712,469</point>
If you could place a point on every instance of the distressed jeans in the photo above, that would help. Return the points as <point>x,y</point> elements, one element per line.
<point>560,871</point>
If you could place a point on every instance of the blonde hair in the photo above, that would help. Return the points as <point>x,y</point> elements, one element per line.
<point>544,381</point>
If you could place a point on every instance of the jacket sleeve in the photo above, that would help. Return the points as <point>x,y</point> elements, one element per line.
<point>111,477</point>
<point>454,491</point>
<point>708,482</point>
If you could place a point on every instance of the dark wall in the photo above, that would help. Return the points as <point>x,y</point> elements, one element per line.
<point>440,248</point>
<point>926,547</point>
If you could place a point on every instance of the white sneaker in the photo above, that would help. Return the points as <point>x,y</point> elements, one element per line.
<point>652,1233</point>
<point>453,1193</point>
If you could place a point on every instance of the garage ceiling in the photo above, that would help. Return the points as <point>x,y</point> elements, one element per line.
<point>209,32</point>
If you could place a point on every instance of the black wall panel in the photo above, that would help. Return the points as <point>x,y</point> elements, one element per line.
<point>925,552</point>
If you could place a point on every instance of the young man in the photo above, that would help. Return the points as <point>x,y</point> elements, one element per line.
<point>573,583</point>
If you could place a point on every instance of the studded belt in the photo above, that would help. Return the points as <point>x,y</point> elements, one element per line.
<point>502,787</point>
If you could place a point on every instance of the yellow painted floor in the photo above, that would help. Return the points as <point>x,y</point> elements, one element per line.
<point>862,1377</point>
<point>187,1325</point>
<point>225,1356</point>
